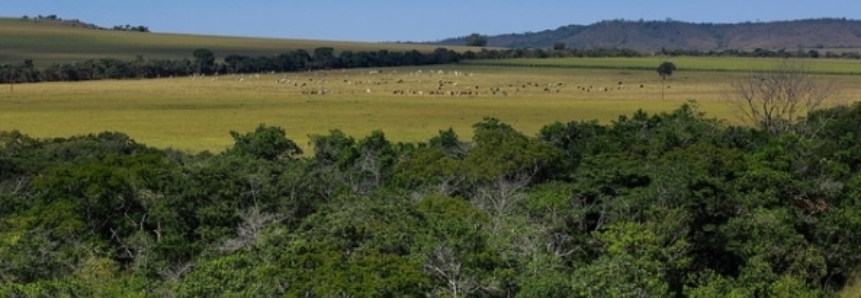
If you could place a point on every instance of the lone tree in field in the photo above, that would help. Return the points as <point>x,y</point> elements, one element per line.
<point>780,97</point>
<point>476,40</point>
<point>665,70</point>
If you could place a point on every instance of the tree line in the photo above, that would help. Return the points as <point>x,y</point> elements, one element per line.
<point>765,53</point>
<point>674,204</point>
<point>130,28</point>
<point>204,62</point>
<point>560,50</point>
<point>78,23</point>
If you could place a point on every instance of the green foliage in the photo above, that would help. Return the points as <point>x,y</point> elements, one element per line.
<point>666,69</point>
<point>333,149</point>
<point>502,151</point>
<point>544,276</point>
<point>228,276</point>
<point>768,239</point>
<point>204,59</point>
<point>448,142</point>
<point>837,127</point>
<point>638,261</point>
<point>269,143</point>
<point>576,140</point>
<point>343,164</point>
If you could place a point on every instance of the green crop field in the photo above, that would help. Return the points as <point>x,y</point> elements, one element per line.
<point>715,64</point>
<point>46,43</point>
<point>409,104</point>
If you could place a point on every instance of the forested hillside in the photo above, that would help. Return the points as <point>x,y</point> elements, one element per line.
<point>667,205</point>
<point>672,35</point>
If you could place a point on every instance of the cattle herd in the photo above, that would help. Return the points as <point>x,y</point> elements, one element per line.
<point>424,83</point>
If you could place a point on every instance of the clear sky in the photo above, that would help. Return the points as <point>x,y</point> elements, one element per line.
<point>406,20</point>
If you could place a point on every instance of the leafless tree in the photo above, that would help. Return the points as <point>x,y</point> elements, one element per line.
<point>253,223</point>
<point>444,264</point>
<point>449,184</point>
<point>503,193</point>
<point>778,98</point>
<point>175,272</point>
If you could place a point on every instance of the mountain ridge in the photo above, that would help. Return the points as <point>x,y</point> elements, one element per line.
<point>678,35</point>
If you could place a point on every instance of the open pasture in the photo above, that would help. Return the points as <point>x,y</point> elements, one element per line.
<point>409,104</point>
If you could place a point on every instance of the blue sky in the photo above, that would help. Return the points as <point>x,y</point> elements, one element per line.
<point>393,20</point>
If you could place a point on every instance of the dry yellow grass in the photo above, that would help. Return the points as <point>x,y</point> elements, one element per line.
<point>197,113</point>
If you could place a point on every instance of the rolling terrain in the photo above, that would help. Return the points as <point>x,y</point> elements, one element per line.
<point>50,42</point>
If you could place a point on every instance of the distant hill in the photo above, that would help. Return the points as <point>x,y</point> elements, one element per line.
<point>676,35</point>
<point>49,40</point>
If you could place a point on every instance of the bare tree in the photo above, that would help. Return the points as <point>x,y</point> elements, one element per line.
<point>780,97</point>
<point>448,185</point>
<point>445,265</point>
<point>253,223</point>
<point>175,272</point>
<point>503,193</point>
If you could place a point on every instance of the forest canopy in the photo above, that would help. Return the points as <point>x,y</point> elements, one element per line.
<point>673,204</point>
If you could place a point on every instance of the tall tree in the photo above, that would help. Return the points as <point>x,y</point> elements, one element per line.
<point>204,59</point>
<point>665,70</point>
<point>324,57</point>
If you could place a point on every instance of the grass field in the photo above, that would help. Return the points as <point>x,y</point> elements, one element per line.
<point>408,104</point>
<point>46,43</point>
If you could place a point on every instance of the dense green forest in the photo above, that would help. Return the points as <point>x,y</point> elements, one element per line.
<point>674,204</point>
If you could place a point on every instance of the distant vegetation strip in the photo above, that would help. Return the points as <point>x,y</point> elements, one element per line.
<point>205,63</point>
<point>714,64</point>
